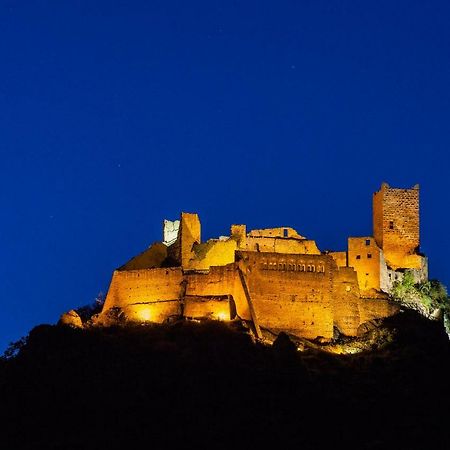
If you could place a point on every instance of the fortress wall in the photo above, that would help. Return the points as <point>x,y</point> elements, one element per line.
<point>291,293</point>
<point>370,309</point>
<point>340,258</point>
<point>142,286</point>
<point>208,308</point>
<point>281,245</point>
<point>346,299</point>
<point>157,312</point>
<point>286,232</point>
<point>364,257</point>
<point>212,253</point>
<point>221,280</point>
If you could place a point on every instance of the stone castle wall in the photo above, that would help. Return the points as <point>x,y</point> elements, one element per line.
<point>146,285</point>
<point>364,256</point>
<point>291,293</point>
<point>346,296</point>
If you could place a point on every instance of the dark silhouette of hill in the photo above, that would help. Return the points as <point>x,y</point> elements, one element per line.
<point>207,385</point>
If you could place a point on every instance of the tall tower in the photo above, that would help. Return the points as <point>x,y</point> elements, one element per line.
<point>190,234</point>
<point>396,225</point>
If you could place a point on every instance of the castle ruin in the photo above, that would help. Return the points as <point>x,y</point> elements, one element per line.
<point>273,278</point>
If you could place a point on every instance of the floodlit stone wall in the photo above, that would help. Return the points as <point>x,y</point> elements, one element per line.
<point>365,257</point>
<point>144,286</point>
<point>291,293</point>
<point>340,258</point>
<point>219,281</point>
<point>189,236</point>
<point>371,308</point>
<point>211,253</point>
<point>285,232</point>
<point>158,311</point>
<point>396,225</point>
<point>217,308</point>
<point>280,245</point>
<point>346,296</point>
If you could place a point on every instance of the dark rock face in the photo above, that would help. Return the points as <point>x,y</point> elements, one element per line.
<point>204,384</point>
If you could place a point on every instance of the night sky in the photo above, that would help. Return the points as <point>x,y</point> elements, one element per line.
<point>117,114</point>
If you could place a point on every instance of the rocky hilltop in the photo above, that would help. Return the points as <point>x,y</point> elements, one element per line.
<point>207,384</point>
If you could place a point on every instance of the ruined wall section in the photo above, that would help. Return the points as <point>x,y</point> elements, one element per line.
<point>291,293</point>
<point>170,231</point>
<point>281,245</point>
<point>146,295</point>
<point>153,257</point>
<point>239,234</point>
<point>340,258</point>
<point>396,225</point>
<point>219,281</point>
<point>346,297</point>
<point>211,307</point>
<point>285,232</point>
<point>371,308</point>
<point>189,234</point>
<point>365,257</point>
<point>214,252</point>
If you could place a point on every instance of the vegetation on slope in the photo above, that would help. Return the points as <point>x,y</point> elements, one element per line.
<point>430,298</point>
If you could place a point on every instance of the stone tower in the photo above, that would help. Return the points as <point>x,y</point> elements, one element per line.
<point>396,225</point>
<point>190,234</point>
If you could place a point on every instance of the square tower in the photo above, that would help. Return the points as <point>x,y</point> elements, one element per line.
<point>396,225</point>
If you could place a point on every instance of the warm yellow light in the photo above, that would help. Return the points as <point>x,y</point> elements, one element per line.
<point>222,316</point>
<point>145,315</point>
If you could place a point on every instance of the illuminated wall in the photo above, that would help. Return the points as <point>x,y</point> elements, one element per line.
<point>217,308</point>
<point>365,257</point>
<point>346,296</point>
<point>143,286</point>
<point>396,225</point>
<point>214,252</point>
<point>219,281</point>
<point>291,293</point>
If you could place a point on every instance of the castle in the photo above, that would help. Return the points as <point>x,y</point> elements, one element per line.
<point>273,278</point>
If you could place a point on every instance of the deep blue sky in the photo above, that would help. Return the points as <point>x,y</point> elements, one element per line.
<point>117,114</point>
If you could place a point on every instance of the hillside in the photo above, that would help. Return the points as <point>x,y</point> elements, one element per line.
<point>210,385</point>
